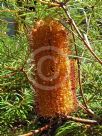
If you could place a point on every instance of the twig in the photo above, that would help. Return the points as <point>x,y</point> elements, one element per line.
<point>49,3</point>
<point>65,25</point>
<point>79,75</point>
<point>8,75</point>
<point>81,120</point>
<point>82,37</point>
<point>76,119</point>
<point>12,68</point>
<point>32,133</point>
<point>89,111</point>
<point>31,82</point>
<point>86,108</point>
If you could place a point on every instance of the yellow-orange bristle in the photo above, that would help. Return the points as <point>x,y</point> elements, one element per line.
<point>53,75</point>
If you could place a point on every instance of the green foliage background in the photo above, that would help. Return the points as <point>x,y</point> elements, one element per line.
<point>17,113</point>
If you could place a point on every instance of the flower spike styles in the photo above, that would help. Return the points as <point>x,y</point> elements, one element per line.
<point>54,73</point>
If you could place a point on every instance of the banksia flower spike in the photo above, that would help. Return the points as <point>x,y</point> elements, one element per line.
<point>54,74</point>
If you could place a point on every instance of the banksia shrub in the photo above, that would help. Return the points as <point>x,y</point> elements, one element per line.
<point>54,73</point>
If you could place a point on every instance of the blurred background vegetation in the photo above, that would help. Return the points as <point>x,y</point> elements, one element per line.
<point>17,114</point>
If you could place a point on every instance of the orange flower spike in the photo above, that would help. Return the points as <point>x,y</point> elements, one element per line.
<point>74,79</point>
<point>50,47</point>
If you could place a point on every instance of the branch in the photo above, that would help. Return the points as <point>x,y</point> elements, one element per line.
<point>32,133</point>
<point>86,108</point>
<point>79,73</point>
<point>8,75</point>
<point>81,120</point>
<point>15,71</point>
<point>53,4</point>
<point>82,37</point>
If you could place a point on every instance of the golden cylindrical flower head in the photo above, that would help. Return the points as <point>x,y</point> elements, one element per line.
<point>55,73</point>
